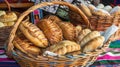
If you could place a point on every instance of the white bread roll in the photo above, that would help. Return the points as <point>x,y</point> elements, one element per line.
<point>115,11</point>
<point>108,8</point>
<point>100,6</point>
<point>94,44</point>
<point>89,37</point>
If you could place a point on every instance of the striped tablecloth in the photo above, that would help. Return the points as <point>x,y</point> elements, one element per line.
<point>110,58</point>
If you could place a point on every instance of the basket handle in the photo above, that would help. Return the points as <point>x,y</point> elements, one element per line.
<point>24,14</point>
<point>8,4</point>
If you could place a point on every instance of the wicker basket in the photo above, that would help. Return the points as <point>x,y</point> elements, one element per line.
<point>26,60</point>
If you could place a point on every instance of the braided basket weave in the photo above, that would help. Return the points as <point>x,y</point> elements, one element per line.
<point>26,60</point>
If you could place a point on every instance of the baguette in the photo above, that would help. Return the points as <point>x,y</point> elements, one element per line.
<point>89,37</point>
<point>34,34</point>
<point>94,44</point>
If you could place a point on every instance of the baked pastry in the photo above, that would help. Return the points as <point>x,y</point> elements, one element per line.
<point>26,46</point>
<point>68,30</point>
<point>34,34</point>
<point>85,9</point>
<point>64,47</point>
<point>91,7</point>
<point>8,17</point>
<point>1,24</point>
<point>53,18</point>
<point>2,12</point>
<point>51,30</point>
<point>115,11</point>
<point>89,37</point>
<point>82,34</point>
<point>78,29</point>
<point>94,44</point>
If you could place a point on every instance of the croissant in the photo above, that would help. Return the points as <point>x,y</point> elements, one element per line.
<point>34,34</point>
<point>51,30</point>
<point>64,47</point>
<point>82,34</point>
<point>88,37</point>
<point>94,44</point>
<point>68,30</point>
<point>26,46</point>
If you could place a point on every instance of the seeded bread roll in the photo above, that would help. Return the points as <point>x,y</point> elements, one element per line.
<point>82,34</point>
<point>51,30</point>
<point>64,47</point>
<point>89,37</point>
<point>94,44</point>
<point>34,34</point>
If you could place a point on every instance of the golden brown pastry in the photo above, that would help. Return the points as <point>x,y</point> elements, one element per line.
<point>53,18</point>
<point>26,46</point>
<point>8,17</point>
<point>64,47</point>
<point>85,9</point>
<point>68,30</point>
<point>34,34</point>
<point>78,29</point>
<point>82,34</point>
<point>51,30</point>
<point>2,12</point>
<point>89,37</point>
<point>94,44</point>
<point>1,24</point>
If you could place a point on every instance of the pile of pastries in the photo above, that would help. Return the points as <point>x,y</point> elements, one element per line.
<point>100,10</point>
<point>7,18</point>
<point>57,36</point>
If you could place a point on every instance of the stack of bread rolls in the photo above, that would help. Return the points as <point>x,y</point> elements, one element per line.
<point>7,18</point>
<point>57,36</point>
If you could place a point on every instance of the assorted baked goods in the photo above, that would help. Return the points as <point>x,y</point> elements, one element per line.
<point>7,18</point>
<point>57,36</point>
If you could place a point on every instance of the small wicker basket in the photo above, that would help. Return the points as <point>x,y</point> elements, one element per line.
<point>26,60</point>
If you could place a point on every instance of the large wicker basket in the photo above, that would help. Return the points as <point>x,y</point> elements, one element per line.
<point>26,60</point>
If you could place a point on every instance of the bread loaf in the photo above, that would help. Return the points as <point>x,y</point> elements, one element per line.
<point>89,37</point>
<point>93,44</point>
<point>68,30</point>
<point>51,30</point>
<point>85,9</point>
<point>82,34</point>
<point>64,47</point>
<point>26,46</point>
<point>34,34</point>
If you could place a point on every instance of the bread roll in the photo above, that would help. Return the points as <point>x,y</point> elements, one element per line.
<point>68,30</point>
<point>107,8</point>
<point>78,29</point>
<point>85,9</point>
<point>26,46</point>
<point>34,34</point>
<point>82,34</point>
<point>115,11</point>
<point>2,12</point>
<point>51,30</point>
<point>100,12</point>
<point>91,7</point>
<point>9,17</point>
<point>10,23</point>
<point>64,47</point>
<point>93,44</point>
<point>1,24</point>
<point>89,37</point>
<point>100,6</point>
